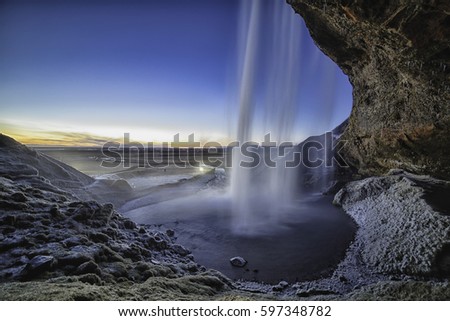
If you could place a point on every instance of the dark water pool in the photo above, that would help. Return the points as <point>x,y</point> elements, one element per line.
<point>306,244</point>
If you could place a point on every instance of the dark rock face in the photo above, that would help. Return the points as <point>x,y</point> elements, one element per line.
<point>397,57</point>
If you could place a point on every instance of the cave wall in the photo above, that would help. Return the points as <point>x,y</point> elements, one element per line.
<point>397,57</point>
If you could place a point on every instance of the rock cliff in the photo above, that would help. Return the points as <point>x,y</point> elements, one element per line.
<point>397,57</point>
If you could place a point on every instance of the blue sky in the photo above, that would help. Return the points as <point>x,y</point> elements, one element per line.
<point>95,69</point>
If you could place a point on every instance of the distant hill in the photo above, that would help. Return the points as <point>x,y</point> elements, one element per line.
<point>17,161</point>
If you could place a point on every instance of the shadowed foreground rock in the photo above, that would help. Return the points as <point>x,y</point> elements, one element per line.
<point>397,57</point>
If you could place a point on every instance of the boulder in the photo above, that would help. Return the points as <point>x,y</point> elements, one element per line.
<point>89,267</point>
<point>38,265</point>
<point>181,250</point>
<point>238,261</point>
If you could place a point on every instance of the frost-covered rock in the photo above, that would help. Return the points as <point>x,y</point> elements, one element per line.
<point>398,230</point>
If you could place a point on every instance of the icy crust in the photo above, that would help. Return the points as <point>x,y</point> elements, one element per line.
<point>399,232</point>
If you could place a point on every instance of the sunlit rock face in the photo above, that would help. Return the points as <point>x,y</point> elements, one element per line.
<point>397,56</point>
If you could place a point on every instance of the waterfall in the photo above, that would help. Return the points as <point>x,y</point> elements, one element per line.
<point>272,40</point>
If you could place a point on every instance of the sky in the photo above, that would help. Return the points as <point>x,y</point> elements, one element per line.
<point>84,72</point>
